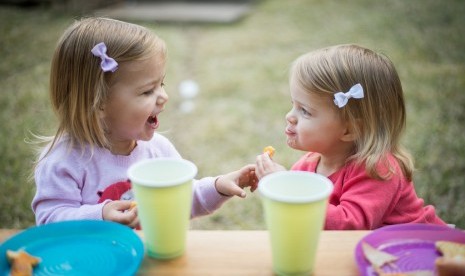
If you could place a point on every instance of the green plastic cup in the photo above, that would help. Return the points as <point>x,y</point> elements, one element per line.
<point>294,204</point>
<point>163,191</point>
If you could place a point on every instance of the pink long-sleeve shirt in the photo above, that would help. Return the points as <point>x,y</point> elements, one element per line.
<point>68,182</point>
<point>361,202</point>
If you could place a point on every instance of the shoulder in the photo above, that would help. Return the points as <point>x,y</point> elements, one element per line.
<point>307,162</point>
<point>387,168</point>
<point>390,168</point>
<point>62,157</point>
<point>61,151</point>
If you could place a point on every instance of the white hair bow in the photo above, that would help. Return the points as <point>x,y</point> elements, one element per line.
<point>341,98</point>
<point>107,64</point>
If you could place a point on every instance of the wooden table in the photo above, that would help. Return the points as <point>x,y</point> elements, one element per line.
<point>247,253</point>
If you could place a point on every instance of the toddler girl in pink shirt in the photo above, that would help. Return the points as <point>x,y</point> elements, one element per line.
<point>348,114</point>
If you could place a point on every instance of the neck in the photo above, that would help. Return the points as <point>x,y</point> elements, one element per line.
<point>331,162</point>
<point>328,166</point>
<point>123,148</point>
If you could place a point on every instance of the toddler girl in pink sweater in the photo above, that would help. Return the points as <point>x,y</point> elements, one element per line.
<point>348,114</point>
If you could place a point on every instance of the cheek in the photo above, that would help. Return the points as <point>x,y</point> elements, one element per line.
<point>127,117</point>
<point>305,127</point>
<point>137,117</point>
<point>306,136</point>
<point>139,110</point>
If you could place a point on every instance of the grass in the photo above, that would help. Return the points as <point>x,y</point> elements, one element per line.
<point>242,70</point>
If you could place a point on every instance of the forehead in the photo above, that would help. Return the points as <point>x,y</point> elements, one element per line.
<point>152,61</point>
<point>149,69</point>
<point>309,98</point>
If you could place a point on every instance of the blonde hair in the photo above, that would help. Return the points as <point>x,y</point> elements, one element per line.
<point>79,87</point>
<point>379,119</point>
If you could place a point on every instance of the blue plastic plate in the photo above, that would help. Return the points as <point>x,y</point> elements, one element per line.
<point>78,248</point>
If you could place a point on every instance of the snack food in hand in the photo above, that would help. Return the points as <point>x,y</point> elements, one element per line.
<point>270,150</point>
<point>21,262</point>
<point>133,205</point>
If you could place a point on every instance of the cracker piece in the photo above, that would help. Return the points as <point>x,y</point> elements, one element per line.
<point>22,263</point>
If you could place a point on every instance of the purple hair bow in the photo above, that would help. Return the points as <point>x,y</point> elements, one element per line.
<point>341,98</point>
<point>107,64</point>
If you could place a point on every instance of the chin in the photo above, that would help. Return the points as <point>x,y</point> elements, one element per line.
<point>291,143</point>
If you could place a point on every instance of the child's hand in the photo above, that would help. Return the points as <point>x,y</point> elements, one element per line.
<point>121,211</point>
<point>232,184</point>
<point>264,166</point>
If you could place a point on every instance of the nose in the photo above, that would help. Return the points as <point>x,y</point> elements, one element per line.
<point>290,117</point>
<point>162,97</point>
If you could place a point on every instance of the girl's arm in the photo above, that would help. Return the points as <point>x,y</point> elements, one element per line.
<point>210,193</point>
<point>360,202</point>
<point>59,194</point>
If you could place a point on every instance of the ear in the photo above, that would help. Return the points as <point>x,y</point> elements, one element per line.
<point>101,112</point>
<point>349,134</point>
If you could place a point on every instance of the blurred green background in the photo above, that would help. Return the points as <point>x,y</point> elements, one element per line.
<point>242,71</point>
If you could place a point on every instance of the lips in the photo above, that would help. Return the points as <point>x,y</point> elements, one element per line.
<point>289,132</point>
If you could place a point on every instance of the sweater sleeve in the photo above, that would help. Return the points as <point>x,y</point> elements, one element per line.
<point>206,198</point>
<point>58,195</point>
<point>360,202</point>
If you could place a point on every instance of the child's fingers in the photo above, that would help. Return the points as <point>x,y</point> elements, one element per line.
<point>135,222</point>
<point>253,181</point>
<point>124,205</point>
<point>254,186</point>
<point>133,205</point>
<point>118,205</point>
<point>241,193</point>
<point>247,169</point>
<point>262,162</point>
<point>236,191</point>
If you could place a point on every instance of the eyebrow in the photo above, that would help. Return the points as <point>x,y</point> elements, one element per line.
<point>303,105</point>
<point>152,83</point>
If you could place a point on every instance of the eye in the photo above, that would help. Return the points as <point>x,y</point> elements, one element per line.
<point>149,92</point>
<point>305,112</point>
<point>162,84</point>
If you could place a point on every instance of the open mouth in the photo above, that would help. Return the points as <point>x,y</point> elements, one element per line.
<point>153,121</point>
